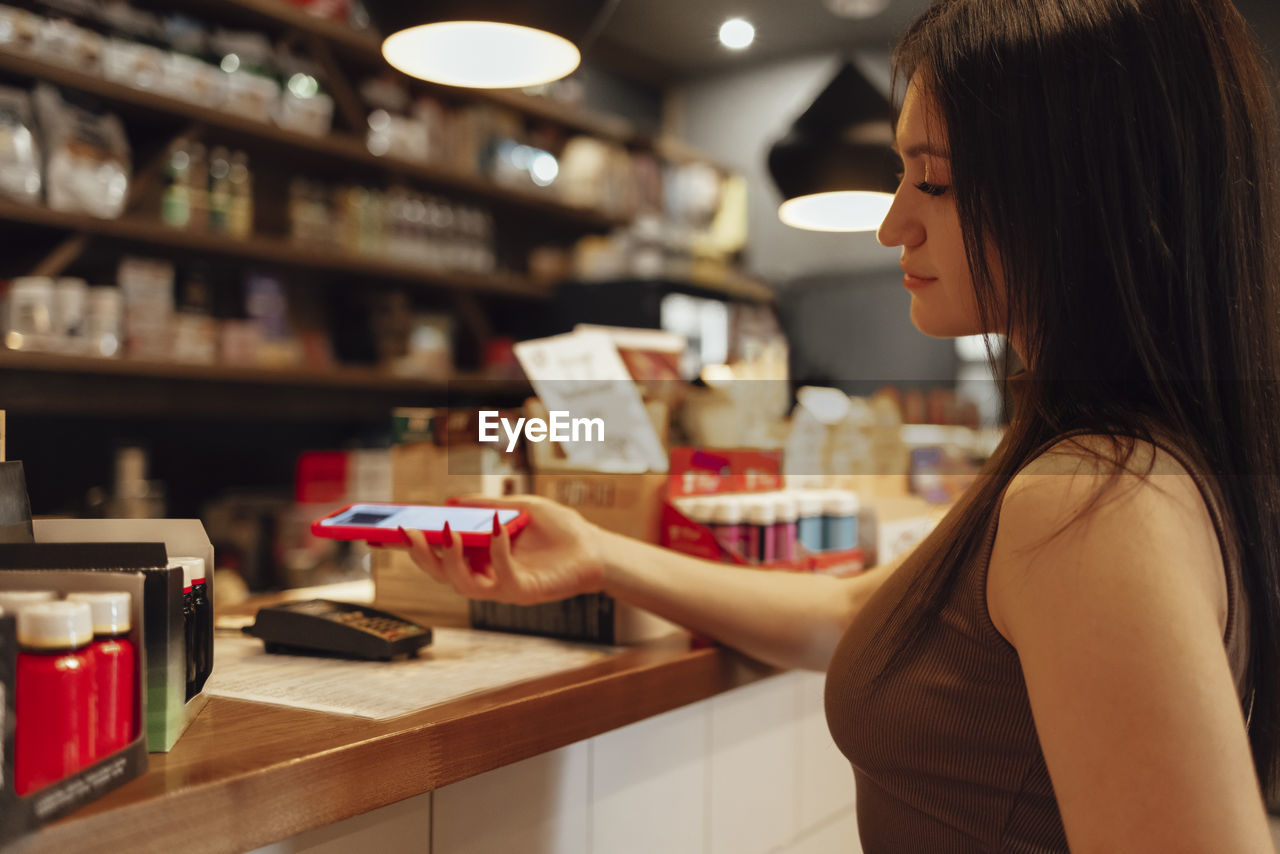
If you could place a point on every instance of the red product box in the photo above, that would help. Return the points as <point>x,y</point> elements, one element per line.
<point>696,472</point>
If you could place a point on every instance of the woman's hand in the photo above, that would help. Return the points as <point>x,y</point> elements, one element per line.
<point>555,556</point>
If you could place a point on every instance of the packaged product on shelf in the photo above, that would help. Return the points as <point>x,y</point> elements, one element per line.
<point>310,215</point>
<point>70,304</point>
<point>397,136</point>
<point>238,342</point>
<point>230,193</point>
<point>477,129</point>
<point>66,36</point>
<point>133,55</point>
<point>303,106</point>
<point>19,29</point>
<point>104,321</point>
<point>267,308</point>
<point>252,78</point>
<point>187,73</point>
<point>30,313</point>
<point>337,10</point>
<point>19,151</point>
<point>86,156</point>
<point>430,349</point>
<point>195,331</point>
<point>219,190</point>
<point>434,119</point>
<point>523,167</point>
<point>147,287</point>
<point>175,202</point>
<point>240,217</point>
<point>197,195</point>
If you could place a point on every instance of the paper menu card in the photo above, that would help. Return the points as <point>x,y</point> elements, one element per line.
<point>457,663</point>
<point>581,373</point>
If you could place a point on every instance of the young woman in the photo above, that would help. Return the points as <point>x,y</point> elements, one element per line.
<point>1087,649</point>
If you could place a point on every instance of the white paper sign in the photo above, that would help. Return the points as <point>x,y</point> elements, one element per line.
<point>581,373</point>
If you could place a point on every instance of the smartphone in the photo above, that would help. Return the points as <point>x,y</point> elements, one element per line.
<point>380,523</point>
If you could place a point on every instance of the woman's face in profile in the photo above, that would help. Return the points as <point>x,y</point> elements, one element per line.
<point>924,222</point>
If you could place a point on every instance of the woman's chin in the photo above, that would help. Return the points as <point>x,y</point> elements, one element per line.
<point>938,324</point>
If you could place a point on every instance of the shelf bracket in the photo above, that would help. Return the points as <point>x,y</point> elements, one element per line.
<point>61,256</point>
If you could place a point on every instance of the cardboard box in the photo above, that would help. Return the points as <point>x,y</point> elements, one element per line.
<point>169,712</point>
<point>629,504</point>
<point>20,815</point>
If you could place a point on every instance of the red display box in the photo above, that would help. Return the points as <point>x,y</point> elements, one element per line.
<point>696,472</point>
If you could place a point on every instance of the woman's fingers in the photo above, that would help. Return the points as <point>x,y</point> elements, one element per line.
<point>500,556</point>
<point>458,569</point>
<point>426,558</point>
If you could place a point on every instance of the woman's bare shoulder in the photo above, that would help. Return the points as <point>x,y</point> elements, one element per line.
<point>1124,501</point>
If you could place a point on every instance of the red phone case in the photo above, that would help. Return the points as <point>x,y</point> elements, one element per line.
<point>391,536</point>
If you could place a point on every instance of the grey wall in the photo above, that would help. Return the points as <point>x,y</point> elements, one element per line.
<point>736,118</point>
<point>841,298</point>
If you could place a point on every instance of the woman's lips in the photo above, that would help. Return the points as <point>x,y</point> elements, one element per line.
<point>911,281</point>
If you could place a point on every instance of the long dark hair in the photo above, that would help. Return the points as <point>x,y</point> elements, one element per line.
<point>1117,157</point>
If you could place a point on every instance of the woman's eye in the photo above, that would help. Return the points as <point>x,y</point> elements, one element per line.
<point>931,189</point>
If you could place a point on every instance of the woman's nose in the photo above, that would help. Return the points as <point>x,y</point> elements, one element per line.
<point>899,227</point>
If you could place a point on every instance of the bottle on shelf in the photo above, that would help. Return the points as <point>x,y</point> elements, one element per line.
<point>175,205</point>
<point>219,190</point>
<point>240,221</point>
<point>198,186</point>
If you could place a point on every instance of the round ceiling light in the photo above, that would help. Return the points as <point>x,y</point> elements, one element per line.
<point>481,54</point>
<point>856,8</point>
<point>843,210</point>
<point>737,34</point>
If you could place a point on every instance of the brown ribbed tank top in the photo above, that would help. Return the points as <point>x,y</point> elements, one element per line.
<point>943,745</point>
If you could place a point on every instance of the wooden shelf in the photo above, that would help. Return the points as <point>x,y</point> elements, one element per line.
<point>265,249</point>
<point>51,383</point>
<point>337,146</point>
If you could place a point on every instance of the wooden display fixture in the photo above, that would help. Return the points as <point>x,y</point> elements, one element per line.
<point>336,145</point>
<point>52,383</point>
<point>148,232</point>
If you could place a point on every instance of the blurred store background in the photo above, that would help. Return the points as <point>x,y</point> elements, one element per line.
<point>236,242</point>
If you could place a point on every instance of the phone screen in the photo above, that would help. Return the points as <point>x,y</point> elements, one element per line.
<point>419,518</point>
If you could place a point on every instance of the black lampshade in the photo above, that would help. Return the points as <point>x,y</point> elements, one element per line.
<point>842,144</point>
<point>486,43</point>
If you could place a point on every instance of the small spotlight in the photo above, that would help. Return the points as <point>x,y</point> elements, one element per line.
<point>737,34</point>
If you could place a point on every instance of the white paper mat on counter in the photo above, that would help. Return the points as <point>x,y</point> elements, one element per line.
<point>458,662</point>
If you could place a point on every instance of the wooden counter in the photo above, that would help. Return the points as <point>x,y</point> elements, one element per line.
<point>245,774</point>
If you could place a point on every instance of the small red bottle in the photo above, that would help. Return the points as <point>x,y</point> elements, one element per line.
<point>114,669</point>
<point>53,730</point>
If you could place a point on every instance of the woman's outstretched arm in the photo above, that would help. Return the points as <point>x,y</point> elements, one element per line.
<point>782,618</point>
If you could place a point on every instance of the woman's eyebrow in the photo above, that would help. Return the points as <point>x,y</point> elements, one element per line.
<point>922,148</point>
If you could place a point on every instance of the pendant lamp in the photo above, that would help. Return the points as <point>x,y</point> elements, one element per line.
<point>487,44</point>
<point>836,168</point>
